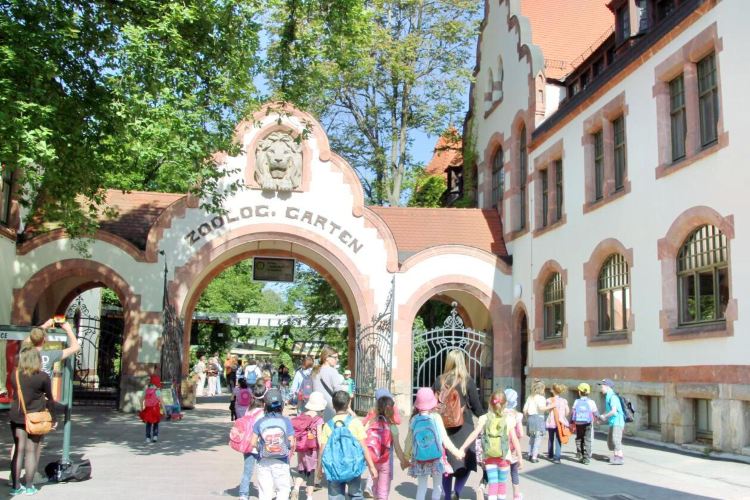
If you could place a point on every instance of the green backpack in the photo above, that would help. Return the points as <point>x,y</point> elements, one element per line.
<point>495,440</point>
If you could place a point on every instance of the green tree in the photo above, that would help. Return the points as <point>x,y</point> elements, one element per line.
<point>428,191</point>
<point>129,95</point>
<point>375,71</point>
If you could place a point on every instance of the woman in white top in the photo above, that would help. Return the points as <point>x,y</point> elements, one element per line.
<point>534,409</point>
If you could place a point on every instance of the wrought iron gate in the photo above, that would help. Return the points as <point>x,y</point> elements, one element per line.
<point>97,367</point>
<point>374,357</point>
<point>431,349</point>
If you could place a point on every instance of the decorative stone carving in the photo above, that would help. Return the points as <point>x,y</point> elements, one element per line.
<point>278,163</point>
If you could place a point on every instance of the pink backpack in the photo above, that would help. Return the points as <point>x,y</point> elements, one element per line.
<point>242,431</point>
<point>151,398</point>
<point>306,432</point>
<point>379,440</point>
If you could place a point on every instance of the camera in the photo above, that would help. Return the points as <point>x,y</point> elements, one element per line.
<point>58,319</point>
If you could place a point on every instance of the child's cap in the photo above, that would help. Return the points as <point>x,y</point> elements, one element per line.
<point>425,400</point>
<point>155,380</point>
<point>273,399</point>
<point>383,393</point>
<point>511,398</point>
<point>584,388</point>
<point>347,372</point>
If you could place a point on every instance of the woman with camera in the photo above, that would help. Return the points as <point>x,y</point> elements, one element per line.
<point>30,417</point>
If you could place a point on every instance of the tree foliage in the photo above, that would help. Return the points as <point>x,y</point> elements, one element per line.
<point>129,95</point>
<point>376,71</point>
<point>428,191</point>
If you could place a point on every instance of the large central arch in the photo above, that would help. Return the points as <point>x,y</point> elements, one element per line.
<point>278,240</point>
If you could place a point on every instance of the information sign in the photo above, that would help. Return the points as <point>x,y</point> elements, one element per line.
<point>273,269</point>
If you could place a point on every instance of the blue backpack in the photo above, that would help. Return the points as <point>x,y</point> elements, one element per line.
<point>582,410</point>
<point>426,444</point>
<point>273,441</point>
<point>343,457</point>
<point>251,377</point>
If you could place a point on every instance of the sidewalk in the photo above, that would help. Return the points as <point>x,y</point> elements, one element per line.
<point>192,461</point>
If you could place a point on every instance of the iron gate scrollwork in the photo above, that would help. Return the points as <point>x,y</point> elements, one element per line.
<point>431,349</point>
<point>374,356</point>
<point>97,366</point>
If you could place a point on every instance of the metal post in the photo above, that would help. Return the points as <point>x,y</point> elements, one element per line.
<point>68,398</point>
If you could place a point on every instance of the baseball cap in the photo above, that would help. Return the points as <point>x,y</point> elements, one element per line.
<point>584,387</point>
<point>382,393</point>
<point>607,381</point>
<point>347,372</point>
<point>273,398</point>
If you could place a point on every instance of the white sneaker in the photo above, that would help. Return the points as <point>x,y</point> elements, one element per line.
<point>148,440</point>
<point>154,439</point>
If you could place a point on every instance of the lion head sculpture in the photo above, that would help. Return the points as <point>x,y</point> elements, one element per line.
<point>278,163</point>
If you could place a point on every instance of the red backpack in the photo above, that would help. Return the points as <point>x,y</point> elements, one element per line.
<point>242,431</point>
<point>379,440</point>
<point>306,432</point>
<point>151,398</point>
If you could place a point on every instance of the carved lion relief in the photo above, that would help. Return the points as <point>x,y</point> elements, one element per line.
<point>278,163</point>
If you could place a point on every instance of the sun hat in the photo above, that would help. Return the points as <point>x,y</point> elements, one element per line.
<point>608,382</point>
<point>511,398</point>
<point>584,387</point>
<point>383,393</point>
<point>316,402</point>
<point>426,399</point>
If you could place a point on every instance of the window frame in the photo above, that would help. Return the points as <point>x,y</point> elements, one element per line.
<point>703,433</point>
<point>677,117</point>
<point>545,196</point>
<point>558,189</point>
<point>554,307</point>
<point>523,172</point>
<point>598,138</point>
<point>686,271</point>
<point>614,276</point>
<point>498,178</point>
<point>708,93</point>
<point>653,422</point>
<point>620,153</point>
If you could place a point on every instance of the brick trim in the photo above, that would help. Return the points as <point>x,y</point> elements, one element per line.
<point>545,272</point>
<point>701,374</point>
<point>667,250</point>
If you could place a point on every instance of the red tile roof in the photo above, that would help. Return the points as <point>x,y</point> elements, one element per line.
<point>567,30</point>
<point>137,212</point>
<point>447,153</point>
<point>416,229</point>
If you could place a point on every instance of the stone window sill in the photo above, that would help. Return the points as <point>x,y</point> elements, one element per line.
<point>552,343</point>
<point>671,168</point>
<point>542,230</point>
<point>591,206</point>
<point>610,338</point>
<point>516,234</point>
<point>698,331</point>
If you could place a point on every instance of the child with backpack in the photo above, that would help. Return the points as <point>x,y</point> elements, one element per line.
<point>241,435</point>
<point>394,418</point>
<point>498,430</point>
<point>557,422</point>
<point>426,443</point>
<point>242,398</point>
<point>343,451</point>
<point>511,398</point>
<point>307,429</point>
<point>584,412</point>
<point>273,436</point>
<point>152,408</point>
<point>382,441</point>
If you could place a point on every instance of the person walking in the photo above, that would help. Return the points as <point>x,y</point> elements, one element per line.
<point>252,372</point>
<point>327,380</point>
<point>230,372</point>
<point>460,398</point>
<point>212,373</point>
<point>516,417</point>
<point>533,408</point>
<point>615,418</point>
<point>349,381</point>
<point>302,385</point>
<point>557,422</point>
<point>273,437</point>
<point>307,431</point>
<point>200,370</point>
<point>152,408</point>
<point>382,442</point>
<point>32,392</point>
<point>250,455</point>
<point>583,414</point>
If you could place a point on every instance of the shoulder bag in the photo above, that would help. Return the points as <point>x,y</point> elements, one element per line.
<point>38,423</point>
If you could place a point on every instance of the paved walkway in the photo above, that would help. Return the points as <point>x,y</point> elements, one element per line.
<point>193,461</point>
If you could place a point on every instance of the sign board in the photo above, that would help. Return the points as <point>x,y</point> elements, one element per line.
<point>11,332</point>
<point>273,269</point>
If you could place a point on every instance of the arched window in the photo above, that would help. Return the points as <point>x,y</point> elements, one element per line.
<point>554,307</point>
<point>498,179</point>
<point>523,170</point>
<point>703,276</point>
<point>614,295</point>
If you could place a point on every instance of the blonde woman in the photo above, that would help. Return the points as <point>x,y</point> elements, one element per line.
<point>554,445</point>
<point>456,376</point>
<point>327,379</point>
<point>36,388</point>
<point>534,409</point>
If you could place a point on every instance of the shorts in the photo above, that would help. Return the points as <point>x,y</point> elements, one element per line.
<point>614,438</point>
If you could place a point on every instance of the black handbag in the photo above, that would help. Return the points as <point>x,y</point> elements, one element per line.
<point>59,472</point>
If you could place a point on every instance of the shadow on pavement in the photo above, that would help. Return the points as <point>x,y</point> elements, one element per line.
<point>595,485</point>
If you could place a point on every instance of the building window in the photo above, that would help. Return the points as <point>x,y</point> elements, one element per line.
<point>704,428</point>
<point>664,8</point>
<point>614,295</point>
<point>545,196</point>
<point>623,23</point>
<point>558,190</point>
<point>498,179</point>
<point>599,164</point>
<point>703,276</point>
<point>653,405</point>
<point>5,192</point>
<point>677,117</point>
<point>618,127</point>
<point>584,80</point>
<point>554,307</point>
<point>523,170</point>
<point>708,99</point>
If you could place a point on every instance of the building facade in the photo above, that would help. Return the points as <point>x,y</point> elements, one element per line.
<point>605,147</point>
